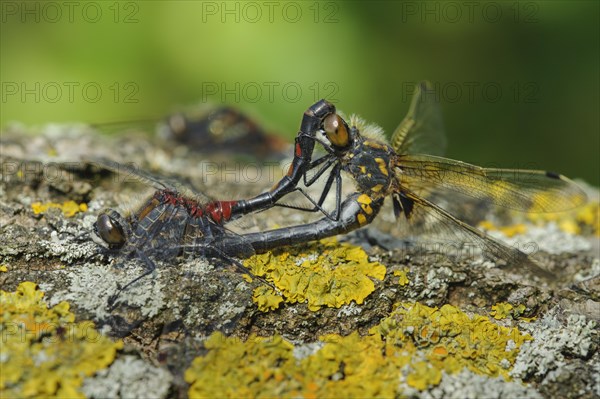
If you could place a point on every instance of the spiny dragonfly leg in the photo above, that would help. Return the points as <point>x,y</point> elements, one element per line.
<point>334,175</point>
<point>304,145</point>
<point>318,205</point>
<point>329,159</point>
<point>243,269</point>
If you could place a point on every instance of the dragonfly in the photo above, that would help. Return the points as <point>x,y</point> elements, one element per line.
<point>411,171</point>
<point>401,170</point>
<point>173,222</point>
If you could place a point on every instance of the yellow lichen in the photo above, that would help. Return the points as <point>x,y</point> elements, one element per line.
<point>411,347</point>
<point>582,220</point>
<point>3,268</point>
<point>503,310</point>
<point>509,231</point>
<point>45,353</point>
<point>236,369</point>
<point>266,299</point>
<point>423,375</point>
<point>589,215</point>
<point>403,278</point>
<point>68,208</point>
<point>472,342</point>
<point>326,274</point>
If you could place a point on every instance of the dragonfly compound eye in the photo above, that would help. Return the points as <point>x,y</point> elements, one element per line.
<point>110,230</point>
<point>336,131</point>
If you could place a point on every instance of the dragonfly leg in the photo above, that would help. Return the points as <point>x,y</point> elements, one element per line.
<point>236,245</point>
<point>318,205</point>
<point>305,141</point>
<point>241,268</point>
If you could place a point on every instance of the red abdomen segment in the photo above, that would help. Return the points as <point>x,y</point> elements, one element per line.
<point>219,211</point>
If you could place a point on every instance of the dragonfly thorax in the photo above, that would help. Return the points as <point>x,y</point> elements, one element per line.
<point>370,164</point>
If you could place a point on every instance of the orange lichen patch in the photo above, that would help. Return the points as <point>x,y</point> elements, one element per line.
<point>472,342</point>
<point>324,274</point>
<point>68,208</point>
<point>410,348</point>
<point>45,353</point>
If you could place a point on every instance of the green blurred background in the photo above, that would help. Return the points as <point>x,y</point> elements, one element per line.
<point>518,81</point>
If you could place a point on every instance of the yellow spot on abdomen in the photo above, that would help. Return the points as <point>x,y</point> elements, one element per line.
<point>364,199</point>
<point>362,219</point>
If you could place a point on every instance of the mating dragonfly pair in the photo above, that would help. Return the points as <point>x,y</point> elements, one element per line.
<point>409,170</point>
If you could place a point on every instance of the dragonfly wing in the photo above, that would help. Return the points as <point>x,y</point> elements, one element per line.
<point>523,190</point>
<point>422,129</point>
<point>129,172</point>
<point>455,237</point>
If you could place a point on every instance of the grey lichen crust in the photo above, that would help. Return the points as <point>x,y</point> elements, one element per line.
<point>468,385</point>
<point>168,312</point>
<point>554,341</point>
<point>128,377</point>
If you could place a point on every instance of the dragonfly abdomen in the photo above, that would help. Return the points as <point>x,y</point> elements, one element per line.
<point>356,211</point>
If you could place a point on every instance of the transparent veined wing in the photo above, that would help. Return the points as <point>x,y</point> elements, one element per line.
<point>522,190</point>
<point>129,173</point>
<point>422,129</point>
<point>439,231</point>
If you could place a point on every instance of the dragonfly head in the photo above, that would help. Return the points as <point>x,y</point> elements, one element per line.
<point>338,133</point>
<point>110,227</point>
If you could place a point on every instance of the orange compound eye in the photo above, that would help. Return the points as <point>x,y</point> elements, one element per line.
<point>336,131</point>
